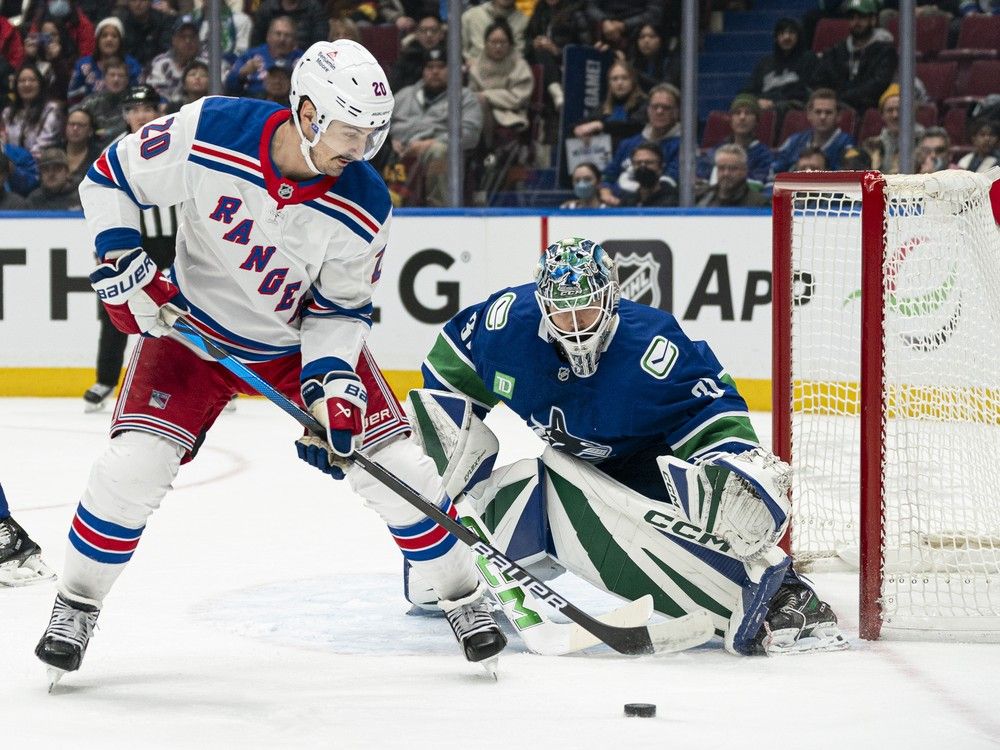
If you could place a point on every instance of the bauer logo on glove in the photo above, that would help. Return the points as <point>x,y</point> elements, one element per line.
<point>136,294</point>
<point>338,402</point>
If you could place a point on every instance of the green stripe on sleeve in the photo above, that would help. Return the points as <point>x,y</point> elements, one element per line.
<point>456,372</point>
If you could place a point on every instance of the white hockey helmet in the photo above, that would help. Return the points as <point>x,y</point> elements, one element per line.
<point>576,280</point>
<point>344,82</point>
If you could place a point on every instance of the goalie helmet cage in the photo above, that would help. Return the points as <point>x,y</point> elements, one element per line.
<point>887,403</point>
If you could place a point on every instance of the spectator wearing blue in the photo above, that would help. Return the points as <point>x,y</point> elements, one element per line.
<point>88,73</point>
<point>655,189</point>
<point>823,133</point>
<point>623,113</point>
<point>9,200</point>
<point>662,128</point>
<point>743,116</point>
<point>246,78</point>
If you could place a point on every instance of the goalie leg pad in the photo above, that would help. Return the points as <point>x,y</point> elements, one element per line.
<point>464,450</point>
<point>764,579</point>
<point>127,483</point>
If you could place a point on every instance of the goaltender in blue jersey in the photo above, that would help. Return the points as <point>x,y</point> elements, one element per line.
<point>653,480</point>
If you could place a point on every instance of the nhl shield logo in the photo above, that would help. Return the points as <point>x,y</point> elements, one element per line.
<point>285,191</point>
<point>639,274</point>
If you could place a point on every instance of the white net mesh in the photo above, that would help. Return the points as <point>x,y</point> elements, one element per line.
<point>941,424</point>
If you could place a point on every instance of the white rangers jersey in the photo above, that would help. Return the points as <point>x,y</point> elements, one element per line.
<point>266,265</point>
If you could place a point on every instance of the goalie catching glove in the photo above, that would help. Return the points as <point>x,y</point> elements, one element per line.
<point>338,402</point>
<point>741,497</point>
<point>136,294</point>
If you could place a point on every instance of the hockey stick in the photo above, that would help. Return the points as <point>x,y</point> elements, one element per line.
<point>673,635</point>
<point>540,634</point>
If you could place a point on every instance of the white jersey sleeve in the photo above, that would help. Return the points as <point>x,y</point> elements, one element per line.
<point>143,169</point>
<point>267,266</point>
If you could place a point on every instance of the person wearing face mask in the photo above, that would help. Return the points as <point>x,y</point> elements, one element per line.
<point>68,16</point>
<point>655,190</point>
<point>663,129</point>
<point>586,179</point>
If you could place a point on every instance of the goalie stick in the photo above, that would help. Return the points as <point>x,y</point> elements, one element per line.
<point>673,635</point>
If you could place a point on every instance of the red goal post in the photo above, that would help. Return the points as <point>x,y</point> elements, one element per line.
<point>887,404</point>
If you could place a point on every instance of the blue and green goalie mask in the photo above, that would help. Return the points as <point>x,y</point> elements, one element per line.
<point>578,293</point>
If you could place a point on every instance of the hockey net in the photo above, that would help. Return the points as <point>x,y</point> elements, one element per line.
<point>887,402</point>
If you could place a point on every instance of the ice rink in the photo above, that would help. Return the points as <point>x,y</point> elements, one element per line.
<point>263,608</point>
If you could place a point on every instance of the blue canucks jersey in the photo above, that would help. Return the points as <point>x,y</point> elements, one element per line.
<point>655,390</point>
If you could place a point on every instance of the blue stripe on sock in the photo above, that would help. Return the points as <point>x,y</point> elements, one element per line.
<point>89,551</point>
<point>106,527</point>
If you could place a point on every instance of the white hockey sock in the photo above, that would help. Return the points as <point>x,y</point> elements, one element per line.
<point>126,485</point>
<point>444,563</point>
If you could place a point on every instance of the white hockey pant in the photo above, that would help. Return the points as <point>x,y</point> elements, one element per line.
<point>441,561</point>
<point>127,483</point>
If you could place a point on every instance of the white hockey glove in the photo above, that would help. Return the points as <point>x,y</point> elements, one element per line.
<point>136,295</point>
<point>338,403</point>
<point>742,498</point>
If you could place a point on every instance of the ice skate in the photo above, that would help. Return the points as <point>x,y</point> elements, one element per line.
<point>21,561</point>
<point>65,640</point>
<point>471,619</point>
<point>798,621</point>
<point>96,396</point>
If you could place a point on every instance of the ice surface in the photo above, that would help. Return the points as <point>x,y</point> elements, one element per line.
<point>263,609</point>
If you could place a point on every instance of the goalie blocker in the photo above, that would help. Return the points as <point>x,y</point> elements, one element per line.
<point>713,548</point>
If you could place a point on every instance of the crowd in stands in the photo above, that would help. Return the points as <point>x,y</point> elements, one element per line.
<point>67,66</point>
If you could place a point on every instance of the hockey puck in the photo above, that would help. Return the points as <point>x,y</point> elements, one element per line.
<point>642,710</point>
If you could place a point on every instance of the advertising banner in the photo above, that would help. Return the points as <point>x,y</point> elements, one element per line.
<point>711,271</point>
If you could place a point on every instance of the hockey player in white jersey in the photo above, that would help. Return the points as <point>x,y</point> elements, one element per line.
<point>283,228</point>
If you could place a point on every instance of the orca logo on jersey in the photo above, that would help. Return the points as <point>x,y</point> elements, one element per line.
<point>558,436</point>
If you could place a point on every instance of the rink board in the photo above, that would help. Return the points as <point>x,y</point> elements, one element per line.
<point>710,268</point>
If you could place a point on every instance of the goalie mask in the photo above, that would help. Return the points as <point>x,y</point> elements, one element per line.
<point>344,82</point>
<point>578,293</point>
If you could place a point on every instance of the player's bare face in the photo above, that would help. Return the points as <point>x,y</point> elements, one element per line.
<point>576,320</point>
<point>140,115</point>
<point>339,146</point>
